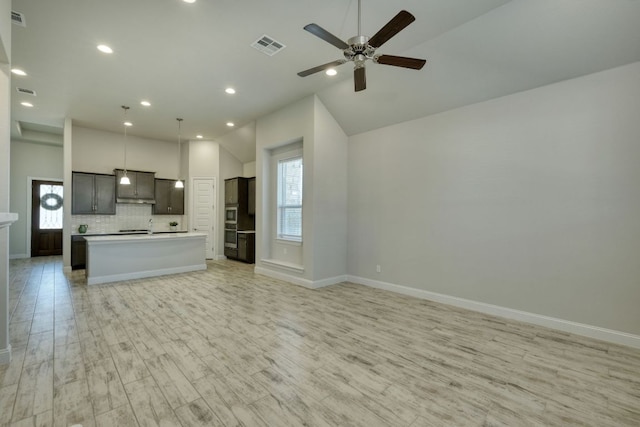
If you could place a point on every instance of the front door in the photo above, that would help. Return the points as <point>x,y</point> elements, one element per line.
<point>203,217</point>
<point>46,218</point>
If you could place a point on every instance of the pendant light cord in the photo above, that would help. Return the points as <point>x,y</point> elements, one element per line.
<point>179,149</point>
<point>125,108</point>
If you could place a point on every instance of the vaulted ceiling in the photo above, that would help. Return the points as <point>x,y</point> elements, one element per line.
<point>181,57</point>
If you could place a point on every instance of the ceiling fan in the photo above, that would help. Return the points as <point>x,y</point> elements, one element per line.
<point>360,48</point>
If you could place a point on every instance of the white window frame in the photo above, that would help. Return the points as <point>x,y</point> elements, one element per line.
<point>279,188</point>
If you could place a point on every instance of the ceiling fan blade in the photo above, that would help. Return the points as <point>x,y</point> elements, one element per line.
<point>325,35</point>
<point>322,67</point>
<point>393,27</point>
<point>360,79</point>
<point>401,61</point>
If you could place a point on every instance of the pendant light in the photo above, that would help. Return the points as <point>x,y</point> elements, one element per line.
<point>124,180</point>
<point>179,183</point>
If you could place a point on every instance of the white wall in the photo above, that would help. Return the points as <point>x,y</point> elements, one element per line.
<point>204,162</point>
<point>249,169</point>
<point>5,119</point>
<point>230,167</point>
<point>330,195</point>
<point>324,211</point>
<point>101,152</point>
<point>67,154</point>
<point>290,124</point>
<point>29,160</point>
<point>529,201</point>
<point>204,159</point>
<point>208,159</point>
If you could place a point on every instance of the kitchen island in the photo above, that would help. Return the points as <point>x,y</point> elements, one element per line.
<point>7,218</point>
<point>112,258</point>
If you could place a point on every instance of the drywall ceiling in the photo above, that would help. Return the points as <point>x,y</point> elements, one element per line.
<point>182,56</point>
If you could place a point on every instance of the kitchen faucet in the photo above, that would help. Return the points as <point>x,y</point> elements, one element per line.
<point>149,228</point>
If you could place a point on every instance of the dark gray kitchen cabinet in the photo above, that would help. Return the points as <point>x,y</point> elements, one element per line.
<point>246,247</point>
<point>169,199</point>
<point>78,252</point>
<point>231,188</point>
<point>252,196</point>
<point>231,253</point>
<point>93,194</point>
<point>236,194</point>
<point>141,189</point>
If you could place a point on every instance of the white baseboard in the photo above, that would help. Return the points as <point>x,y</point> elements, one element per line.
<point>300,281</point>
<point>590,331</point>
<point>5,355</point>
<point>329,281</point>
<point>283,265</point>
<point>19,256</point>
<point>220,257</point>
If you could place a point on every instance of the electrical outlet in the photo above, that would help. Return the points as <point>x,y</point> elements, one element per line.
<point>378,270</point>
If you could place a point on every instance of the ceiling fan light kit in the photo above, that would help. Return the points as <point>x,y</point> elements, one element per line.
<point>359,49</point>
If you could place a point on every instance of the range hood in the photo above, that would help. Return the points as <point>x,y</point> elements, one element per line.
<point>141,190</point>
<point>134,200</point>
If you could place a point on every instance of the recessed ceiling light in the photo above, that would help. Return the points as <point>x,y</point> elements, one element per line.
<point>331,72</point>
<point>26,104</point>
<point>230,90</point>
<point>18,72</point>
<point>199,136</point>
<point>230,124</point>
<point>189,1</point>
<point>128,124</point>
<point>104,48</point>
<point>145,103</point>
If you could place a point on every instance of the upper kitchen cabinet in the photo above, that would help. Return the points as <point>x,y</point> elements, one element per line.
<point>93,194</point>
<point>231,191</point>
<point>235,190</point>
<point>141,189</point>
<point>169,199</point>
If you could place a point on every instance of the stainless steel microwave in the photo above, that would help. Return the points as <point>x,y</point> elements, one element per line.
<point>231,215</point>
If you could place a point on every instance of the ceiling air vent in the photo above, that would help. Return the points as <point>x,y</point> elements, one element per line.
<point>26,91</point>
<point>18,18</point>
<point>267,45</point>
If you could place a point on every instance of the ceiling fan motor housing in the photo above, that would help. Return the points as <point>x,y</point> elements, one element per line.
<point>359,50</point>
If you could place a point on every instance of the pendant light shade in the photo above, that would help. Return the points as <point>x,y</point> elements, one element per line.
<point>124,180</point>
<point>179,183</point>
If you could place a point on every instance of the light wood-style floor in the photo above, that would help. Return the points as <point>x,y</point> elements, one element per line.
<point>227,347</point>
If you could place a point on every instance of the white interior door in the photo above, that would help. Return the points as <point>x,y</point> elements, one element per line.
<point>203,208</point>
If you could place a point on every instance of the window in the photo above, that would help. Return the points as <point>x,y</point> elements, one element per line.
<point>50,207</point>
<point>289,183</point>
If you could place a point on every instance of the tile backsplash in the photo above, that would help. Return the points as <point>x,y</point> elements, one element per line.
<point>127,217</point>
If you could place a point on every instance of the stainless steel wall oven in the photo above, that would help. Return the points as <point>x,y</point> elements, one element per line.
<point>230,238</point>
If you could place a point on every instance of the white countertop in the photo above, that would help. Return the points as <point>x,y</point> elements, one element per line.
<point>120,233</point>
<point>7,218</point>
<point>142,237</point>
